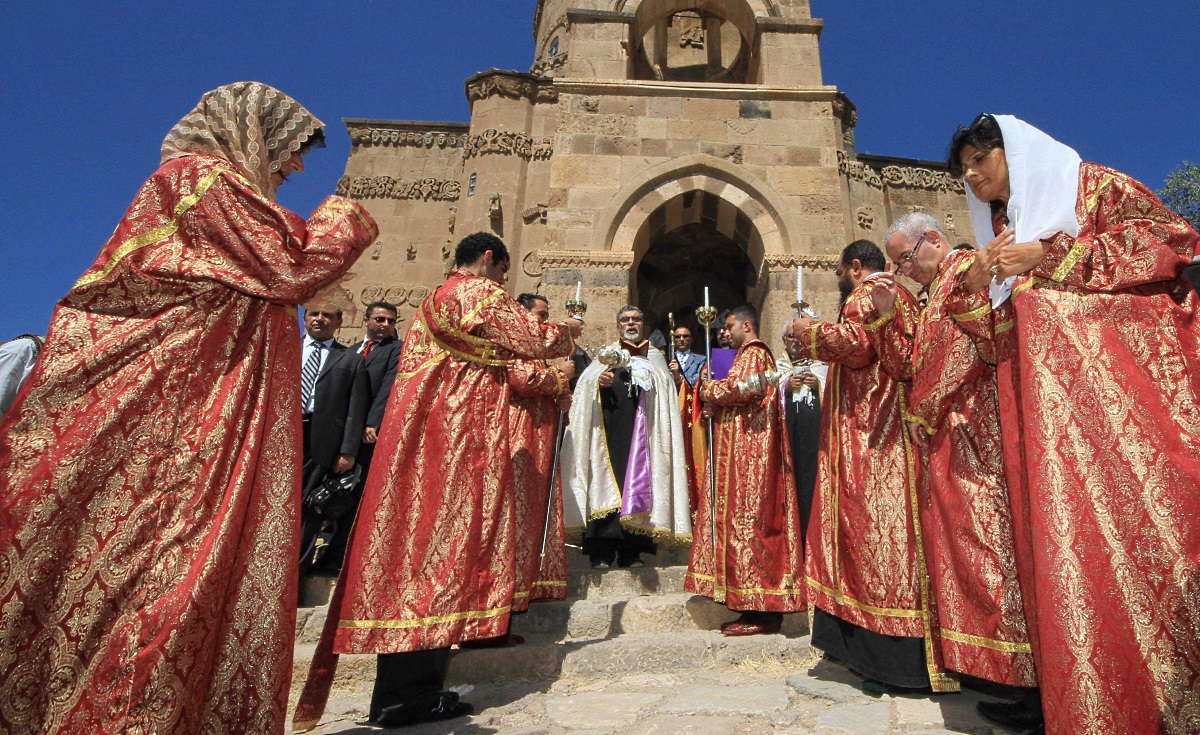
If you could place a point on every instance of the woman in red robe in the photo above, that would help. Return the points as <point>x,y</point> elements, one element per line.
<point>151,465</point>
<point>1098,350</point>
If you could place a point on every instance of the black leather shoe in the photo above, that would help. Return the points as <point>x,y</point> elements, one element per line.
<point>630,561</point>
<point>441,706</point>
<point>1013,715</point>
<point>601,562</point>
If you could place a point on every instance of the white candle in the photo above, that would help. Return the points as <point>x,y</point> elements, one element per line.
<point>799,283</point>
<point>578,290</point>
<point>706,297</point>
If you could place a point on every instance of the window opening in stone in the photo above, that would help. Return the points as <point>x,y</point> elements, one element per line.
<point>471,186</point>
<point>693,46</point>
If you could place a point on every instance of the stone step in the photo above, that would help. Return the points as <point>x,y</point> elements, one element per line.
<point>545,660</point>
<point>594,619</point>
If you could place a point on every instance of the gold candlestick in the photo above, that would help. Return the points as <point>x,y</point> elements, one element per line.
<point>576,308</point>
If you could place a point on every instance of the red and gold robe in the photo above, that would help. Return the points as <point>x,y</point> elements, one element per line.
<point>866,563</point>
<point>1098,357</point>
<point>759,546</point>
<point>533,429</point>
<point>149,516</point>
<point>965,514</point>
<point>431,560</point>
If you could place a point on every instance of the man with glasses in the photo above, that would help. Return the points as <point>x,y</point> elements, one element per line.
<point>954,420</point>
<point>865,560</point>
<point>687,365</point>
<point>627,487</point>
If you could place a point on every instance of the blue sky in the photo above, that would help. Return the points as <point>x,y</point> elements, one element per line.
<point>89,90</point>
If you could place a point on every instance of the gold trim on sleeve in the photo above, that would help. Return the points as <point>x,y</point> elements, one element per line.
<point>158,234</point>
<point>973,314</point>
<point>422,622</point>
<point>995,645</point>
<point>878,323</point>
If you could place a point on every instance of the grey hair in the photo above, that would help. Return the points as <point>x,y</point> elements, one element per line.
<point>913,225</point>
<point>629,307</point>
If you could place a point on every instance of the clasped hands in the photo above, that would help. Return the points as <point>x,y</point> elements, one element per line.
<point>1002,258</point>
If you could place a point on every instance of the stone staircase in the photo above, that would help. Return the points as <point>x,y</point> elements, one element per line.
<point>613,623</point>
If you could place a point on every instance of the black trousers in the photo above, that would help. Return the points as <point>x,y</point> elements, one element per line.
<point>411,678</point>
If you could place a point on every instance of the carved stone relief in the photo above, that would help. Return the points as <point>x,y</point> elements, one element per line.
<point>513,86</point>
<point>899,176</point>
<point>397,295</point>
<point>387,187</point>
<point>543,67</point>
<point>411,252</point>
<point>865,218</point>
<point>536,213</point>
<point>493,141</point>
<point>397,138</point>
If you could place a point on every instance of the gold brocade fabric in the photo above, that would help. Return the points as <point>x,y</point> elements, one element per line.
<point>533,421</point>
<point>1099,355</point>
<point>965,514</point>
<point>756,560</point>
<point>253,126</point>
<point>149,515</point>
<point>866,562</point>
<point>431,562</point>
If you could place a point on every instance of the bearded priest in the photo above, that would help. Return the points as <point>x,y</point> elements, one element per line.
<point>624,471</point>
<point>749,549</point>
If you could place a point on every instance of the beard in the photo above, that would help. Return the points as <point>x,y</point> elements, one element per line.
<point>845,288</point>
<point>632,334</point>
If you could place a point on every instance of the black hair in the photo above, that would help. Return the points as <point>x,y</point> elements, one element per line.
<point>472,247</point>
<point>316,140</point>
<point>527,299</point>
<point>865,252</point>
<point>380,305</point>
<point>745,313</point>
<point>984,133</point>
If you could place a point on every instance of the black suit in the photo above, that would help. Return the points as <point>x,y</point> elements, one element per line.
<point>803,422</point>
<point>341,398</point>
<point>381,373</point>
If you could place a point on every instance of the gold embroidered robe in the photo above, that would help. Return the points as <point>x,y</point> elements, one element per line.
<point>1098,357</point>
<point>756,560</point>
<point>149,516</point>
<point>964,508</point>
<point>866,564</point>
<point>533,429</point>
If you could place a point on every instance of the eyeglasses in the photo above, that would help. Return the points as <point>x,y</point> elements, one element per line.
<point>630,319</point>
<point>383,320</point>
<point>683,336</point>
<point>911,253</point>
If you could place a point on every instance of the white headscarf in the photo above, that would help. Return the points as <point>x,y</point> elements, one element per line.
<point>1043,184</point>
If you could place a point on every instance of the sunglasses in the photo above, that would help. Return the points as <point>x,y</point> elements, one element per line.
<point>383,320</point>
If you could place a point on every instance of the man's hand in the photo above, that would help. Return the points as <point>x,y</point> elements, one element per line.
<point>917,433</point>
<point>567,368</point>
<point>795,382</point>
<point>564,403</point>
<point>606,379</point>
<point>980,274</point>
<point>575,325</point>
<point>370,435</point>
<point>344,463</point>
<point>706,410</point>
<point>811,380</point>
<point>802,323</point>
<point>675,372</point>
<point>883,293</point>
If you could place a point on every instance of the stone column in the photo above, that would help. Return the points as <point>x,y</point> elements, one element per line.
<point>605,277</point>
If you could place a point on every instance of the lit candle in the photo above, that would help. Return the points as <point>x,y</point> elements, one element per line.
<point>706,297</point>
<point>578,290</point>
<point>799,284</point>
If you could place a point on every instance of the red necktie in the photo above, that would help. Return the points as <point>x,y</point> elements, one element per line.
<point>367,348</point>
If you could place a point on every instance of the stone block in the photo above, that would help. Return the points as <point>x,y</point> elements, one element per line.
<point>596,172</point>
<point>868,719</point>
<point>918,711</point>
<point>709,699</point>
<point>838,692</point>
<point>599,710</point>
<point>615,145</point>
<point>313,624</point>
<point>638,653</point>
<point>583,145</point>
<point>802,181</point>
<point>758,649</point>
<point>666,107</point>
<point>654,147</point>
<point>533,661</point>
<point>689,725</point>
<point>316,591</point>
<point>694,108</point>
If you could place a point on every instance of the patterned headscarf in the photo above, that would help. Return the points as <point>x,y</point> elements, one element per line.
<point>253,126</point>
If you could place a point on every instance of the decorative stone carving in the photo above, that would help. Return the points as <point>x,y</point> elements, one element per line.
<point>549,64</point>
<point>397,295</point>
<point>536,213</point>
<point>921,178</point>
<point>513,85</point>
<point>742,127</point>
<point>788,261</point>
<point>865,218</point>
<point>377,250</point>
<point>590,104</point>
<point>495,207</point>
<point>387,187</point>
<point>906,176</point>
<point>531,264</point>
<point>950,223</point>
<point>859,171</point>
<point>845,110</point>
<point>453,218</point>
<point>605,259</point>
<point>693,37</point>
<point>398,138</point>
<point>411,252</point>
<point>493,141</point>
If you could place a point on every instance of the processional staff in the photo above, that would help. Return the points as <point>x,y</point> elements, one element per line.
<point>707,315</point>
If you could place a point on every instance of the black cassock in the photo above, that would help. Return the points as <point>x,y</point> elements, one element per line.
<point>803,422</point>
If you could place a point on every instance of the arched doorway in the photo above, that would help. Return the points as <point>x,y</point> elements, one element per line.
<point>692,241</point>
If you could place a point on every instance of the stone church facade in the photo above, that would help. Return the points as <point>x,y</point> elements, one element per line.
<point>654,147</point>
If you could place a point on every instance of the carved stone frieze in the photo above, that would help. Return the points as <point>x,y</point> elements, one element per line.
<point>501,142</point>
<point>387,187</point>
<point>549,64</point>
<point>420,139</point>
<point>898,176</point>
<point>531,264</point>
<point>786,261</point>
<point>396,295</point>
<point>536,213</point>
<point>512,85</point>
<point>605,259</point>
<point>865,217</point>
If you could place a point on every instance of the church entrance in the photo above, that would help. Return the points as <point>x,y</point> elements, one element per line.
<point>693,241</point>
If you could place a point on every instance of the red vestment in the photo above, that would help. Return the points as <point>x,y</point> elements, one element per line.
<point>759,546</point>
<point>1098,357</point>
<point>149,518</point>
<point>431,560</point>
<point>965,514</point>
<point>866,562</point>
<point>533,430</point>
